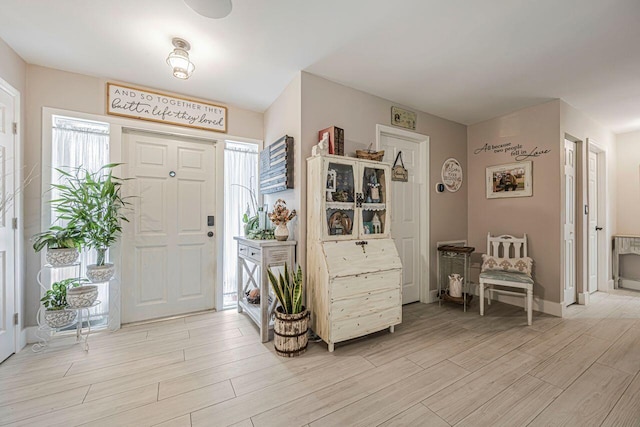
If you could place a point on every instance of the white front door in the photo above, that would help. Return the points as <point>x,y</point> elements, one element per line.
<point>7,233</point>
<point>405,208</point>
<point>168,256</point>
<point>593,222</point>
<point>570,223</point>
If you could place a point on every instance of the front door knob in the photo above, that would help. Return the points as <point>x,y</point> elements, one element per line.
<point>210,234</point>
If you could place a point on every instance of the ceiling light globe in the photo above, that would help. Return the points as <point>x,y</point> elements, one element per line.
<point>179,61</point>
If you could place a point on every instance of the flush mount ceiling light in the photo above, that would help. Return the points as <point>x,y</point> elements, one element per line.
<point>179,59</point>
<point>215,9</point>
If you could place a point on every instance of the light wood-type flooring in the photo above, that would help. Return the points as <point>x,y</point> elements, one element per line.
<point>441,367</point>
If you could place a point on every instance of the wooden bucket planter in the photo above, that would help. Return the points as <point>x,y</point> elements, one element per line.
<point>290,333</point>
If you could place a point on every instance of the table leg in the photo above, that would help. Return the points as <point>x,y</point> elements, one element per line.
<point>529,306</point>
<point>264,303</point>
<point>240,280</point>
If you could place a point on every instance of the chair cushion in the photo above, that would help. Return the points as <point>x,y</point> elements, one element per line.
<point>507,276</point>
<point>515,265</point>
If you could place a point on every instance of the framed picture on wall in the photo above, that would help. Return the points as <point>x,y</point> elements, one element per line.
<point>510,180</point>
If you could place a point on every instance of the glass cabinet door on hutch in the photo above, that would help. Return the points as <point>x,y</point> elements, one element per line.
<point>340,199</point>
<point>374,190</point>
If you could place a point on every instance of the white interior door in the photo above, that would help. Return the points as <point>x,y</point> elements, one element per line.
<point>405,212</point>
<point>7,233</point>
<point>168,256</point>
<point>593,222</point>
<point>570,223</point>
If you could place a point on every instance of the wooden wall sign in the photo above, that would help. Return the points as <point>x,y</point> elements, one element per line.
<point>403,118</point>
<point>158,107</point>
<point>276,166</point>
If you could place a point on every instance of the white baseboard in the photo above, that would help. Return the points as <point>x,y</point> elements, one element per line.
<point>630,284</point>
<point>610,285</point>
<point>583,298</point>
<point>544,306</point>
<point>30,334</point>
<point>22,340</point>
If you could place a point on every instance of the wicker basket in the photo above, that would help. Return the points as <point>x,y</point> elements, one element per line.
<point>370,155</point>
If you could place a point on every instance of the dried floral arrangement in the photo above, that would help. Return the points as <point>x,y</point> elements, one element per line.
<point>280,214</point>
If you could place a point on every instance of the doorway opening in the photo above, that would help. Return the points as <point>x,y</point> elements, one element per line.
<point>168,247</point>
<point>569,227</point>
<point>598,248</point>
<point>410,228</point>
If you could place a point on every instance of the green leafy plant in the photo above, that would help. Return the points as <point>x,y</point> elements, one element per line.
<point>92,202</point>
<point>288,289</point>
<point>58,238</point>
<point>56,297</point>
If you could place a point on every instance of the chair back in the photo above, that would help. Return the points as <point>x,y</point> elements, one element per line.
<point>507,246</point>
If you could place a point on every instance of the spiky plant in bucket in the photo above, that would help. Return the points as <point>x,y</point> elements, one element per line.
<point>288,289</point>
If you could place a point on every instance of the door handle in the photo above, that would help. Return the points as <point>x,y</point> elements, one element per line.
<point>598,228</point>
<point>210,234</point>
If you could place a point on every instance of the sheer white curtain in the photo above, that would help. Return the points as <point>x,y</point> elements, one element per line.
<point>240,174</point>
<point>83,143</point>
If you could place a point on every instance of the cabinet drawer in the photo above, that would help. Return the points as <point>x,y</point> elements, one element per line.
<point>278,256</point>
<point>347,258</point>
<point>345,329</point>
<point>254,254</point>
<point>375,302</point>
<point>362,285</point>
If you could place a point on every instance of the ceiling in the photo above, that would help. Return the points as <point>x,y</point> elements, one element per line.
<point>464,60</point>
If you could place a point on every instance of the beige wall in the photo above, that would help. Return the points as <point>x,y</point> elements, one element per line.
<point>13,70</point>
<point>48,87</point>
<point>628,182</point>
<point>627,169</point>
<point>325,103</point>
<point>283,118</point>
<point>537,216</point>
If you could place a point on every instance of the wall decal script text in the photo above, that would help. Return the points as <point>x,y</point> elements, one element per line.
<point>518,152</point>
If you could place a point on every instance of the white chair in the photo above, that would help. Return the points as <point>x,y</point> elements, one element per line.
<point>509,248</point>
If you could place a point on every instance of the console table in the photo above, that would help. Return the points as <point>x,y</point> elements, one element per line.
<point>623,244</point>
<point>254,256</point>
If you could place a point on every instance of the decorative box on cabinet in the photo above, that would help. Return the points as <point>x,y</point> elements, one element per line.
<point>354,273</point>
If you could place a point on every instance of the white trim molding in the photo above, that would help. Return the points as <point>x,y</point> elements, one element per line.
<point>19,264</point>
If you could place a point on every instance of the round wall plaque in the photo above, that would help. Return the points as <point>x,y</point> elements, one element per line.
<point>452,175</point>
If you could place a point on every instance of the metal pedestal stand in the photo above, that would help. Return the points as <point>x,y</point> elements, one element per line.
<point>45,333</point>
<point>453,259</point>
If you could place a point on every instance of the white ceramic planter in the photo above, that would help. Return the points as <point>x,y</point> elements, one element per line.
<point>61,257</point>
<point>83,296</point>
<point>59,318</point>
<point>100,273</point>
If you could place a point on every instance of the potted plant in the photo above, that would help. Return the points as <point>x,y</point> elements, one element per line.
<point>94,203</point>
<point>292,318</point>
<point>62,244</point>
<point>56,314</point>
<point>280,217</point>
<point>80,295</point>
